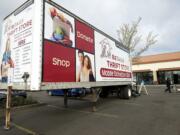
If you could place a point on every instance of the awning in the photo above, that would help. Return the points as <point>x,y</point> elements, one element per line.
<point>169,69</point>
<point>143,70</point>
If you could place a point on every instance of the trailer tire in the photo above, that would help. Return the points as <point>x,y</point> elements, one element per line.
<point>127,93</point>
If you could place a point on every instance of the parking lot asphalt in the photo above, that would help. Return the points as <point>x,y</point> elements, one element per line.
<point>156,114</point>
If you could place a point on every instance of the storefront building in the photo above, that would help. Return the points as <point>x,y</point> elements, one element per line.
<point>155,69</point>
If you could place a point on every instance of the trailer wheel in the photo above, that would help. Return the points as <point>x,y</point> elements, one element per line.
<point>127,93</point>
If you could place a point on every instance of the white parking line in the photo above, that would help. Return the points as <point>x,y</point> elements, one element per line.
<point>24,129</point>
<point>87,112</point>
<point>132,104</point>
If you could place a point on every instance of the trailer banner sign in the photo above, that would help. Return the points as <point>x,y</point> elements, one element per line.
<point>68,54</point>
<point>75,52</point>
<point>15,53</point>
<point>112,63</point>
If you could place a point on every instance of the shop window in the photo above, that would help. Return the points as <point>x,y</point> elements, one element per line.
<point>174,76</point>
<point>147,77</point>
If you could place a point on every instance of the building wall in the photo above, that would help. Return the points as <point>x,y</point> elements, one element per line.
<point>154,67</point>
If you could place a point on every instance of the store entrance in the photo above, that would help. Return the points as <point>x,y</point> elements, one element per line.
<point>176,77</point>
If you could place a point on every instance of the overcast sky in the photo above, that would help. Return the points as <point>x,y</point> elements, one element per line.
<point>160,16</point>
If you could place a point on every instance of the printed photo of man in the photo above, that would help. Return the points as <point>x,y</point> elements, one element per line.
<point>79,67</point>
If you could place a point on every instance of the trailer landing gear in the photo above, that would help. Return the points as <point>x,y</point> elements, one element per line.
<point>66,98</point>
<point>95,96</point>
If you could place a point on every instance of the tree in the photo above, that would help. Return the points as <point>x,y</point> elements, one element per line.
<point>128,35</point>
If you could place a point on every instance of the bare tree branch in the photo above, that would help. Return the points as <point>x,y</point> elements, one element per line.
<point>150,40</point>
<point>129,37</point>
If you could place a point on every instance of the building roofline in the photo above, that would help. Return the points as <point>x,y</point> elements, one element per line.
<point>158,58</point>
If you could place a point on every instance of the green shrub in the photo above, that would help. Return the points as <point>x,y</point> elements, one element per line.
<point>19,101</point>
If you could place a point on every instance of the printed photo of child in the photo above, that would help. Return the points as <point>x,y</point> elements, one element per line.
<point>7,62</point>
<point>59,27</point>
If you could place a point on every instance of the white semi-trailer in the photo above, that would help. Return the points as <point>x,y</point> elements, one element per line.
<point>54,49</point>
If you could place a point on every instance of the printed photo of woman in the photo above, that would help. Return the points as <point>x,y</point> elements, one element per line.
<point>86,74</point>
<point>7,62</point>
<point>85,71</point>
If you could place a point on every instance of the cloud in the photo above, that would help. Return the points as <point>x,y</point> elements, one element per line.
<point>162,17</point>
<point>8,7</point>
